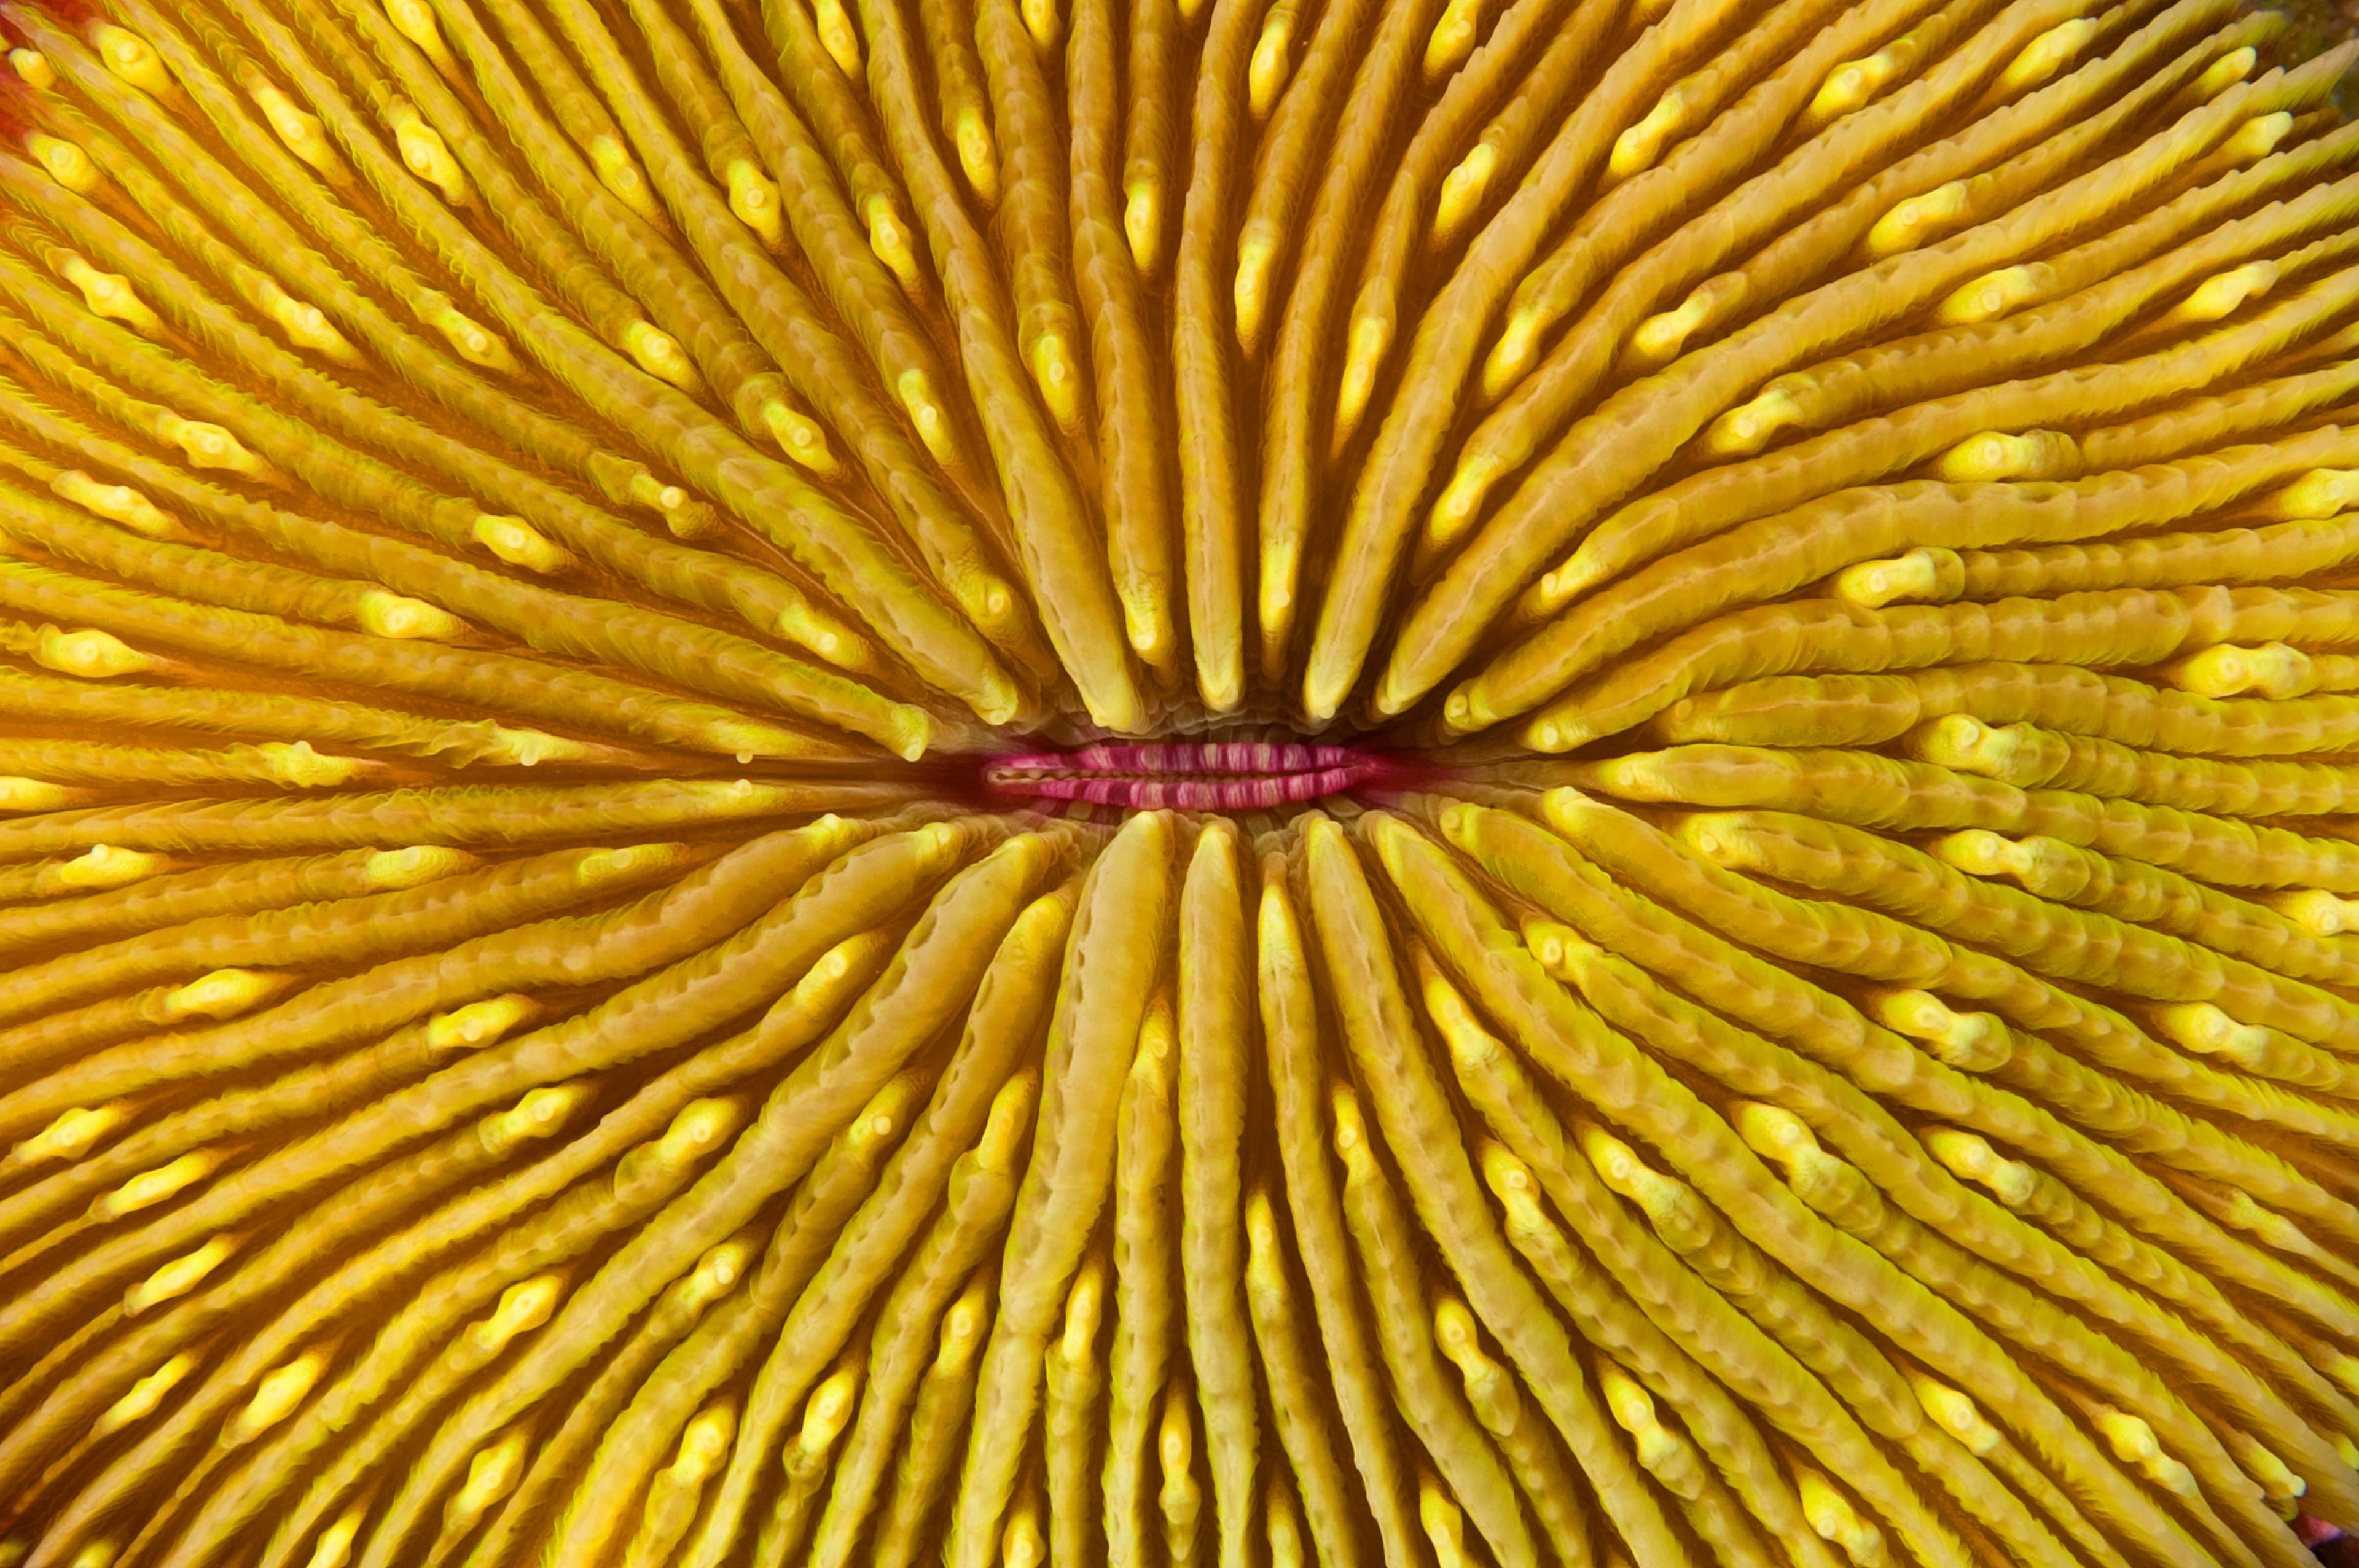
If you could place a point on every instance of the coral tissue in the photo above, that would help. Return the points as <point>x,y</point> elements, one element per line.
<point>1440,784</point>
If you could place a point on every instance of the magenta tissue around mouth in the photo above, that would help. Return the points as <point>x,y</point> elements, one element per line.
<point>1189,776</point>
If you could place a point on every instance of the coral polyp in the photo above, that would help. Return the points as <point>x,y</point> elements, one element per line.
<point>1428,783</point>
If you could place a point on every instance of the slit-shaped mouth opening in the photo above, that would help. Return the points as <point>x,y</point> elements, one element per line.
<point>1191,775</point>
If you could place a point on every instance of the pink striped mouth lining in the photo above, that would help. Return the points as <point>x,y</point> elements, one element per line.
<point>1190,776</point>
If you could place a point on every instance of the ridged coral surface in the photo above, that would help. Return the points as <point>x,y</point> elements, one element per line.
<point>1427,782</point>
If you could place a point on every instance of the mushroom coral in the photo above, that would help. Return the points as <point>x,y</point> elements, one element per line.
<point>1514,782</point>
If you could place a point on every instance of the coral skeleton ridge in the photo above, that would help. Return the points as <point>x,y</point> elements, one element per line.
<point>1375,784</point>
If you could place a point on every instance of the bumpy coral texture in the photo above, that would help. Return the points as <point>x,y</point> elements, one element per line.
<point>1541,784</point>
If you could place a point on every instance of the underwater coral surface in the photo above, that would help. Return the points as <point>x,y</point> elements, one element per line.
<point>1386,783</point>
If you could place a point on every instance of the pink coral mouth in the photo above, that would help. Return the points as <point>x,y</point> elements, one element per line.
<point>1190,776</point>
